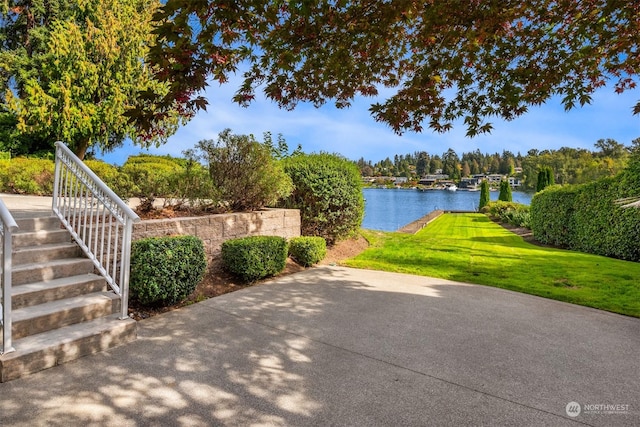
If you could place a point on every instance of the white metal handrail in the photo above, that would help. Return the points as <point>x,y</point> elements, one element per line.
<point>7,227</point>
<point>98,220</point>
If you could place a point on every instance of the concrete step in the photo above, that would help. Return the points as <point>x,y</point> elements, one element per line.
<point>31,294</point>
<point>55,269</point>
<point>38,223</point>
<point>48,349</point>
<point>40,318</point>
<point>40,237</point>
<point>44,253</point>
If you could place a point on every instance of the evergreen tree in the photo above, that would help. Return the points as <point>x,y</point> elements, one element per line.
<point>505,191</point>
<point>71,71</point>
<point>466,170</point>
<point>485,197</point>
<point>422,164</point>
<point>550,177</point>
<point>545,178</point>
<point>542,180</point>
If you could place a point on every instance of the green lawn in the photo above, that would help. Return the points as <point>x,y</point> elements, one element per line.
<point>471,248</point>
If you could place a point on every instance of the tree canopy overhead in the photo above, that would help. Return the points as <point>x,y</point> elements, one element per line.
<point>447,60</point>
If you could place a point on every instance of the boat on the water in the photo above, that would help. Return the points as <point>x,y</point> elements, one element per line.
<point>451,187</point>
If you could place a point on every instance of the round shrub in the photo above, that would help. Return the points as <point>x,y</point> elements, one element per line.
<point>255,257</point>
<point>166,270</point>
<point>328,193</point>
<point>307,250</point>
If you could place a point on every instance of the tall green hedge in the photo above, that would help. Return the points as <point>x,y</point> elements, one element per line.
<point>552,215</point>
<point>119,182</point>
<point>153,176</point>
<point>587,217</point>
<point>328,192</point>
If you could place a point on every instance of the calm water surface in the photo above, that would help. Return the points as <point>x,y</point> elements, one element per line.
<point>390,209</point>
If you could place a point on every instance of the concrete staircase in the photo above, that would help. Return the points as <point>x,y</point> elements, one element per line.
<point>61,309</point>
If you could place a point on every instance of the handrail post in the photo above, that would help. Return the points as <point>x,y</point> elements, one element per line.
<point>7,227</point>
<point>124,270</point>
<point>56,182</point>
<point>7,345</point>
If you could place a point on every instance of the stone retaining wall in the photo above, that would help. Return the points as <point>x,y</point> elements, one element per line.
<point>215,229</point>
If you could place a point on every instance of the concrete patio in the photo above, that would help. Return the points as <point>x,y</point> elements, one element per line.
<point>340,346</point>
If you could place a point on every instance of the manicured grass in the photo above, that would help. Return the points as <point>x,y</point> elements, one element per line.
<point>471,248</point>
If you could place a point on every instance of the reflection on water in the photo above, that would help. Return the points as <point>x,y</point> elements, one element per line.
<point>390,209</point>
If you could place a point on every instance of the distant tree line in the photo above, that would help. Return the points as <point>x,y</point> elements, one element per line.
<point>565,165</point>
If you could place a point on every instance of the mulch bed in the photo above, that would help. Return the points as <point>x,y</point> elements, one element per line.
<point>217,281</point>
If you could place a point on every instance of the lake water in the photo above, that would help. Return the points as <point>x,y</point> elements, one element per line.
<point>391,209</point>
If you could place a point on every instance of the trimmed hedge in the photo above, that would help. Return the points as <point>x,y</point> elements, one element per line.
<point>328,193</point>
<point>255,257</point>
<point>119,182</point>
<point>23,175</point>
<point>154,176</point>
<point>307,250</point>
<point>588,219</point>
<point>166,270</point>
<point>552,215</point>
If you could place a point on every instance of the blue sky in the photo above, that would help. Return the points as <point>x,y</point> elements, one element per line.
<point>353,132</point>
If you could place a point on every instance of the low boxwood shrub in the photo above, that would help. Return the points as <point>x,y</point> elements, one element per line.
<point>255,257</point>
<point>307,250</point>
<point>166,270</point>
